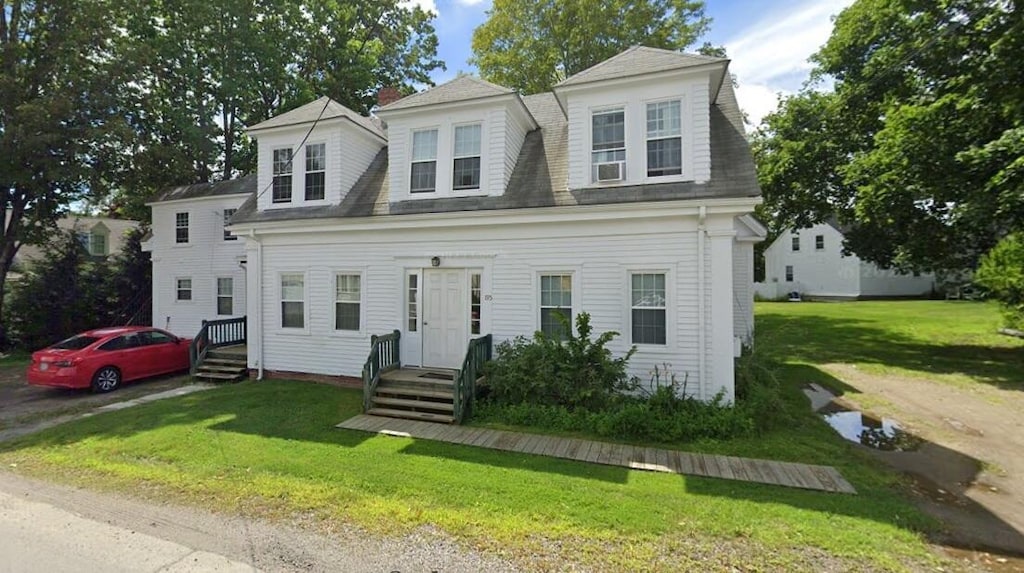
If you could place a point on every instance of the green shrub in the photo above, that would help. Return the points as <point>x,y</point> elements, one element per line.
<point>1001,272</point>
<point>577,372</point>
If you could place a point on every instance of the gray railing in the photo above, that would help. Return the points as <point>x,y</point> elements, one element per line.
<point>478,353</point>
<point>385,354</point>
<point>213,334</point>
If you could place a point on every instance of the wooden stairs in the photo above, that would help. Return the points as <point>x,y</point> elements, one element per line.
<point>223,364</point>
<point>426,394</point>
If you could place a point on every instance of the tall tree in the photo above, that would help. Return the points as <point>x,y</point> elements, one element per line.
<point>531,45</point>
<point>920,145</point>
<point>61,127</point>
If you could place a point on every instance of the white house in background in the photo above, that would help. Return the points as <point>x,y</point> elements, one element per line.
<point>625,193</point>
<point>198,267</point>
<point>811,262</point>
<point>101,236</point>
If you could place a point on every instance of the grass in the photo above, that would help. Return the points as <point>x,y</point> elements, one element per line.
<point>270,449</point>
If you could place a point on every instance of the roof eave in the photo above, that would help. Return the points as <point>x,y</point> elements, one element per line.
<point>384,113</point>
<point>333,119</point>
<point>561,90</point>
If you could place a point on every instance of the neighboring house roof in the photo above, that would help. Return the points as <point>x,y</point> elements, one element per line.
<point>540,177</point>
<point>113,229</point>
<point>636,61</point>
<point>461,89</point>
<point>246,184</point>
<point>311,111</point>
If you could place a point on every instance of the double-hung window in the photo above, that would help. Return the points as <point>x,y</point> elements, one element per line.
<point>796,243</point>
<point>819,242</point>
<point>608,141</point>
<point>225,296</point>
<point>466,164</point>
<point>228,213</point>
<point>316,166</point>
<point>555,301</point>
<point>293,300</point>
<point>347,290</point>
<point>282,185</point>
<point>98,244</point>
<point>789,273</point>
<point>664,138</point>
<point>647,292</point>
<point>183,289</point>
<point>423,177</point>
<point>181,228</point>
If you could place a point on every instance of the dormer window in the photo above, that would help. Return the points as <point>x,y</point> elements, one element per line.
<point>466,165</point>
<point>282,192</point>
<point>316,166</point>
<point>424,161</point>
<point>664,139</point>
<point>608,145</point>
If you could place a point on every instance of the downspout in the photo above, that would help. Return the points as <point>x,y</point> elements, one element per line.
<point>701,296</point>
<point>258,270</point>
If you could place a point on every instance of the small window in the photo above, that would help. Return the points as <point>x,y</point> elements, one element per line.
<point>414,281</point>
<point>282,184</point>
<point>316,166</point>
<point>664,138</point>
<point>608,138</point>
<point>225,296</point>
<point>819,242</point>
<point>647,291</point>
<point>555,300</point>
<point>466,167</point>
<point>181,228</point>
<point>474,303</point>
<point>423,178</point>
<point>789,273</point>
<point>184,288</point>
<point>796,243</point>
<point>293,300</point>
<point>346,302</point>
<point>98,244</point>
<point>228,213</point>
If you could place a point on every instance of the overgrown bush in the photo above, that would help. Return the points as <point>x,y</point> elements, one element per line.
<point>576,372</point>
<point>1001,272</point>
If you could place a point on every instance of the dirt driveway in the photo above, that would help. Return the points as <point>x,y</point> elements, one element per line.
<point>969,473</point>
<point>21,404</point>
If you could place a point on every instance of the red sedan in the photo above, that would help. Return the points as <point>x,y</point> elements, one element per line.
<point>102,359</point>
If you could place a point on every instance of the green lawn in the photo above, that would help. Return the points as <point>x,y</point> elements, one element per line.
<point>953,342</point>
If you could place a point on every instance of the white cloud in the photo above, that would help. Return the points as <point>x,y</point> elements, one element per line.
<point>770,57</point>
<point>470,2</point>
<point>427,5</point>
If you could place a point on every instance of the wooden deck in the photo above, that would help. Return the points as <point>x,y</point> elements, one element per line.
<point>804,476</point>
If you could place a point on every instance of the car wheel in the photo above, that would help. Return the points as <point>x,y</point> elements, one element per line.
<point>106,379</point>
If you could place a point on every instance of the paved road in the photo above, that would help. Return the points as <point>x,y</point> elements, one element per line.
<point>53,529</point>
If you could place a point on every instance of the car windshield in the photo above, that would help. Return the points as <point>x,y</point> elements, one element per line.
<point>75,343</point>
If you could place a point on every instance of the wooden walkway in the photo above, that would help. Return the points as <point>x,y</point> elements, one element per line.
<point>821,478</point>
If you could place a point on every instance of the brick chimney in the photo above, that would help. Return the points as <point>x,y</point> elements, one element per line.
<point>388,94</point>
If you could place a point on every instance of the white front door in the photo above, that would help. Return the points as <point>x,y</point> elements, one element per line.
<point>444,318</point>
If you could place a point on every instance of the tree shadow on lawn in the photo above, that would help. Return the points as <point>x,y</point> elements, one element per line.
<point>821,340</point>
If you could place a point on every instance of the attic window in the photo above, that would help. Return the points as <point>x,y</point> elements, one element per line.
<point>316,165</point>
<point>98,244</point>
<point>664,139</point>
<point>466,168</point>
<point>819,242</point>
<point>423,178</point>
<point>796,243</point>
<point>181,228</point>
<point>608,145</point>
<point>282,192</point>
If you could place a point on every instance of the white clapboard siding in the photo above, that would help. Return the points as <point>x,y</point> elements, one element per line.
<point>743,290</point>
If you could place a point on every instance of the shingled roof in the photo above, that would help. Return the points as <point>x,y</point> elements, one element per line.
<point>311,111</point>
<point>636,61</point>
<point>540,177</point>
<point>462,88</point>
<point>242,185</point>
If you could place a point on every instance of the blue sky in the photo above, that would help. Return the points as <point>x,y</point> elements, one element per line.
<point>768,41</point>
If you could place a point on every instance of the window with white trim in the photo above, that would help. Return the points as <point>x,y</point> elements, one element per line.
<point>789,273</point>
<point>225,296</point>
<point>664,138</point>
<point>608,139</point>
<point>98,244</point>
<point>183,289</point>
<point>423,174</point>
<point>316,167</point>
<point>293,300</point>
<point>475,306</point>
<point>466,154</point>
<point>555,300</point>
<point>647,308</point>
<point>413,301</point>
<point>282,184</point>
<point>228,213</point>
<point>347,299</point>
<point>181,228</point>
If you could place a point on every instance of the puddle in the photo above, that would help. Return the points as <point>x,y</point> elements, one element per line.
<point>857,427</point>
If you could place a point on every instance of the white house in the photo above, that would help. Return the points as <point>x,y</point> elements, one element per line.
<point>101,236</point>
<point>811,262</point>
<point>625,193</point>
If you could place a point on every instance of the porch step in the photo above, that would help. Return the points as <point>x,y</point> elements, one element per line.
<point>416,404</point>
<point>218,375</point>
<point>426,416</point>
<point>414,390</point>
<point>233,362</point>
<point>221,367</point>
<point>436,377</point>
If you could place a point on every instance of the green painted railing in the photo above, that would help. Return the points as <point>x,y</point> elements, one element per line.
<point>478,353</point>
<point>213,334</point>
<point>385,355</point>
